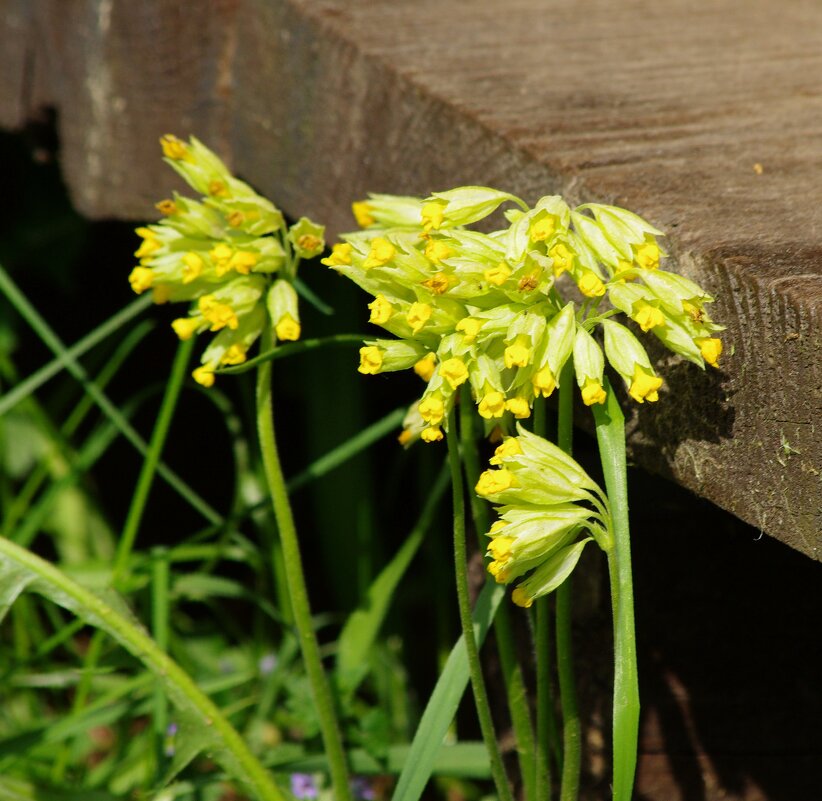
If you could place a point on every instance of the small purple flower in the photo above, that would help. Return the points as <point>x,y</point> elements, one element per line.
<point>363,788</point>
<point>169,749</point>
<point>303,785</point>
<point>267,664</point>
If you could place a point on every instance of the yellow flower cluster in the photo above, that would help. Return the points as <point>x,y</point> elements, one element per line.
<point>551,511</point>
<point>229,254</point>
<point>485,310</point>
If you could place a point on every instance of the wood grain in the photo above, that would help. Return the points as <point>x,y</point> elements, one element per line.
<point>664,107</point>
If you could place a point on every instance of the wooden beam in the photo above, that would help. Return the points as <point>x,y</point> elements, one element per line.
<point>703,117</point>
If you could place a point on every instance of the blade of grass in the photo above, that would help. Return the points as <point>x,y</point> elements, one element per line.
<point>102,332</point>
<point>610,428</point>
<point>444,700</point>
<point>53,342</point>
<point>27,492</point>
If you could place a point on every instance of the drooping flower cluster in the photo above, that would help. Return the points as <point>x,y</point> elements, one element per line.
<point>484,309</point>
<point>544,522</point>
<point>230,254</point>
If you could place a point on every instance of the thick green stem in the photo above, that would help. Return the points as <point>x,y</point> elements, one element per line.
<point>610,427</point>
<point>511,669</point>
<point>571,727</point>
<point>474,666</point>
<point>297,591</point>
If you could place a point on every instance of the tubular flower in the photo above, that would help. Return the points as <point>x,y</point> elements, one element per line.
<point>551,510</point>
<point>218,253</point>
<point>484,312</point>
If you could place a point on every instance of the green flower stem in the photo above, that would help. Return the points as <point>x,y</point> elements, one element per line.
<point>546,729</point>
<point>474,666</point>
<point>610,427</point>
<point>571,727</point>
<point>297,591</point>
<point>511,669</point>
<point>59,587</point>
<point>547,739</point>
<point>283,351</point>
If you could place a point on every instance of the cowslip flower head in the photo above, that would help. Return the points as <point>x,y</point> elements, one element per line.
<point>486,310</point>
<point>551,510</point>
<point>229,255</point>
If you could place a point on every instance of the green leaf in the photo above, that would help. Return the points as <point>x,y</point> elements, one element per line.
<point>443,703</point>
<point>610,428</point>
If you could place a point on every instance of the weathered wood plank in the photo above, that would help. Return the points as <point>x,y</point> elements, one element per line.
<point>663,107</point>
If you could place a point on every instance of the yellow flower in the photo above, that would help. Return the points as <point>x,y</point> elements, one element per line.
<point>648,316</point>
<point>510,447</point>
<point>494,481</point>
<point>454,372</point>
<point>221,256</point>
<point>141,279</point>
<point>432,215</point>
<point>432,409</point>
<point>436,251</point>
<point>518,407</point>
<point>438,283</point>
<point>590,284</point>
<point>418,315</point>
<point>242,261</point>
<point>150,244</point>
<point>340,255</point>
<point>287,328</point>
<point>174,148</point>
<point>204,375</point>
<point>218,314</point>
<point>167,207</point>
<point>469,327</point>
<point>431,434</point>
<point>424,368</point>
<point>186,327</point>
<point>647,255</point>
<point>497,275</point>
<point>562,257</point>
<point>362,213</point>
<point>519,353</point>
<point>492,405</point>
<point>370,360</point>
<point>710,348</point>
<point>382,251</point>
<point>192,267</point>
<point>543,382</point>
<point>644,386</point>
<point>592,392</point>
<point>381,310</point>
<point>521,598</point>
<point>543,229</point>
<point>236,354</point>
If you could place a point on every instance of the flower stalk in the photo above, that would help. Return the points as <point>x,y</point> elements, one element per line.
<point>295,576</point>
<point>461,566</point>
